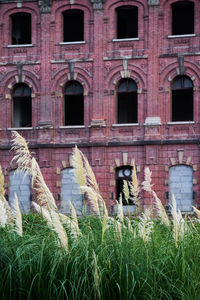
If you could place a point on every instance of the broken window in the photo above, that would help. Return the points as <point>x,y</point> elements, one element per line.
<point>124,174</point>
<point>73,25</point>
<point>127,22</point>
<point>181,185</point>
<point>21,28</point>
<point>74,106</point>
<point>127,101</point>
<point>22,106</point>
<point>182,99</point>
<point>182,17</point>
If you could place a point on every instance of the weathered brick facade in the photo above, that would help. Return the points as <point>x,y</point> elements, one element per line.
<point>153,60</point>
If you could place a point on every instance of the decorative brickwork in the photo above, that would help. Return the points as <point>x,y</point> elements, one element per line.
<point>154,59</point>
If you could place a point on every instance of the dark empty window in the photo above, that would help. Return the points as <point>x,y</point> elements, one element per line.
<point>127,22</point>
<point>127,101</point>
<point>74,107</point>
<point>182,99</point>
<point>182,17</point>
<point>123,174</point>
<point>21,28</point>
<point>22,107</point>
<point>73,25</point>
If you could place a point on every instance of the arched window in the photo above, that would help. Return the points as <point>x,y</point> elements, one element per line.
<point>123,174</point>
<point>22,106</point>
<point>20,184</point>
<point>73,25</point>
<point>21,28</point>
<point>182,17</point>
<point>181,185</point>
<point>182,99</point>
<point>70,191</point>
<point>127,22</point>
<point>74,104</point>
<point>127,105</point>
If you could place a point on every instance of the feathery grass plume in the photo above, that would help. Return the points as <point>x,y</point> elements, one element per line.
<point>196,211</point>
<point>147,186</point>
<point>54,223</point>
<point>92,197</point>
<point>17,216</point>
<point>92,183</point>
<point>126,190</point>
<point>135,189</point>
<point>129,225</point>
<point>182,226</point>
<point>77,164</point>
<point>161,210</point>
<point>96,275</point>
<point>87,181</point>
<point>22,154</point>
<point>44,212</point>
<point>118,229</point>
<point>59,229</point>
<point>3,215</point>
<point>29,165</point>
<point>91,180</point>
<point>10,218</point>
<point>145,226</point>
<point>75,230</point>
<point>175,219</point>
<point>44,196</point>
<point>71,226</point>
<point>120,214</point>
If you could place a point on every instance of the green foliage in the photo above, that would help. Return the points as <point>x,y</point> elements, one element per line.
<point>35,266</point>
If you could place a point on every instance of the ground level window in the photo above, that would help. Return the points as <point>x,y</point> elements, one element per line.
<point>124,174</point>
<point>181,185</point>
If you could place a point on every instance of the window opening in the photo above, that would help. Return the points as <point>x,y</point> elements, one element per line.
<point>21,28</point>
<point>127,22</point>
<point>127,102</point>
<point>182,18</point>
<point>74,104</point>
<point>22,106</point>
<point>124,173</point>
<point>73,25</point>
<point>182,99</point>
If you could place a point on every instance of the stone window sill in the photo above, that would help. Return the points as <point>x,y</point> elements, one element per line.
<point>181,36</point>
<point>72,43</point>
<point>181,123</point>
<point>126,40</point>
<point>125,125</point>
<point>20,46</point>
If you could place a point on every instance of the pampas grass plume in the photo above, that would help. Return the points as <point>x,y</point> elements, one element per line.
<point>17,216</point>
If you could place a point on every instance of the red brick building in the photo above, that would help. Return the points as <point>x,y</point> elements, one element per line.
<point>120,79</point>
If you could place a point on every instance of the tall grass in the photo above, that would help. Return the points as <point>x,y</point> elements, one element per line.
<point>97,256</point>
